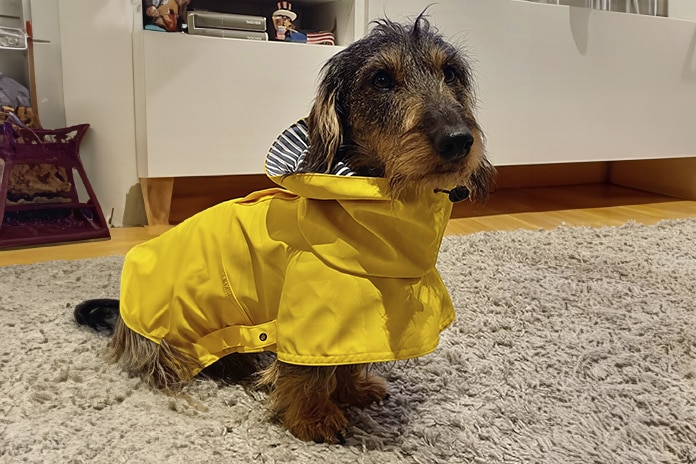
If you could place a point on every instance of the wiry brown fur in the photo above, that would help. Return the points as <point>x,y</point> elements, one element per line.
<point>382,107</point>
<point>389,132</point>
<point>160,365</point>
<point>307,397</point>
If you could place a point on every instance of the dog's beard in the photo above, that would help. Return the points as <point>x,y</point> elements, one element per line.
<point>481,181</point>
<point>413,165</point>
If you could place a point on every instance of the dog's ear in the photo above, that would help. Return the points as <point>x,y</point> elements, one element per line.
<point>324,122</point>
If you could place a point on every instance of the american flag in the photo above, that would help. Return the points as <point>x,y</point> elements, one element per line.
<point>324,38</point>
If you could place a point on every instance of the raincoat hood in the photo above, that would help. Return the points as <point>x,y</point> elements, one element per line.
<point>352,224</point>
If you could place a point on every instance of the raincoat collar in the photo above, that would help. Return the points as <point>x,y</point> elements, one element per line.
<point>352,223</point>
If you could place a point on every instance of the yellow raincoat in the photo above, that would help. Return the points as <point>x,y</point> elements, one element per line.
<point>326,271</point>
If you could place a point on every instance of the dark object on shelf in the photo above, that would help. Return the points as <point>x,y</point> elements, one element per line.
<point>217,20</point>
<point>235,26</point>
<point>39,198</point>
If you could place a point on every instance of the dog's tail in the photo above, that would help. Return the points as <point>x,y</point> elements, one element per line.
<point>100,314</point>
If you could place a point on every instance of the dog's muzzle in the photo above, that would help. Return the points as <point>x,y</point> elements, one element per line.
<point>453,143</point>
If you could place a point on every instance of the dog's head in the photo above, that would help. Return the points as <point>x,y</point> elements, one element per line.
<point>399,104</point>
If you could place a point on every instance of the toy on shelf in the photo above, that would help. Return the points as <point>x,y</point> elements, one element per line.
<point>283,18</point>
<point>284,23</point>
<point>165,15</point>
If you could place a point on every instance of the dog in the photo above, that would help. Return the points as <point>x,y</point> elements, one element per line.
<point>340,261</point>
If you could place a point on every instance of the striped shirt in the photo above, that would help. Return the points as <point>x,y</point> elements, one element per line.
<point>289,150</point>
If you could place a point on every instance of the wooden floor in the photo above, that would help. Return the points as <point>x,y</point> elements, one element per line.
<point>508,209</point>
<point>594,205</point>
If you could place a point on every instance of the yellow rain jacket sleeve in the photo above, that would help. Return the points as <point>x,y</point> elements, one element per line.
<point>328,270</point>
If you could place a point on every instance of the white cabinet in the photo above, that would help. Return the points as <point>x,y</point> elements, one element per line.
<point>212,106</point>
<point>555,84</point>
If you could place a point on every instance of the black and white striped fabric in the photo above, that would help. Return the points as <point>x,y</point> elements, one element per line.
<point>289,150</point>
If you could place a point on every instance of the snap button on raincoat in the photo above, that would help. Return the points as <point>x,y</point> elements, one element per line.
<point>325,270</point>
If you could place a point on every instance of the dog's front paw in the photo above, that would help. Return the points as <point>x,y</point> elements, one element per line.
<point>325,424</point>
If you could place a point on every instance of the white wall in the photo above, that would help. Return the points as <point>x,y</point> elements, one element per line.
<point>97,61</point>
<point>682,9</point>
<point>48,63</point>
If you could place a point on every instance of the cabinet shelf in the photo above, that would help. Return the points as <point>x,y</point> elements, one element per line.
<point>337,16</point>
<point>10,208</point>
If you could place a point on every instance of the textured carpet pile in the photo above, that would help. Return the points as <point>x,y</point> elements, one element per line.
<point>576,345</point>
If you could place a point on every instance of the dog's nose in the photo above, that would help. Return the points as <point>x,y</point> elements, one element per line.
<point>453,143</point>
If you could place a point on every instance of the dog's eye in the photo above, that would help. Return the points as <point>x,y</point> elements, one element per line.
<point>382,80</point>
<point>450,74</point>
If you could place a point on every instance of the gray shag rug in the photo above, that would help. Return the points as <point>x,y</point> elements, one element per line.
<point>576,345</point>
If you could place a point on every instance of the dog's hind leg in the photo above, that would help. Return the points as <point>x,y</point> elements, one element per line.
<point>99,314</point>
<point>301,396</point>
